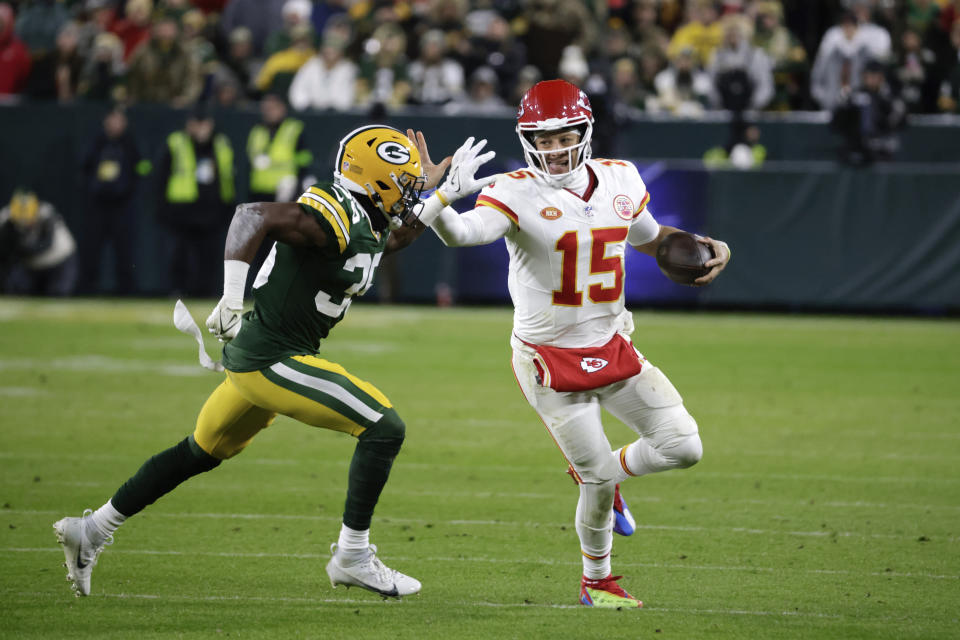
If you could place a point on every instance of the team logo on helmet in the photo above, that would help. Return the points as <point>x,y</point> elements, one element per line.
<point>624,207</point>
<point>393,152</point>
<point>550,213</point>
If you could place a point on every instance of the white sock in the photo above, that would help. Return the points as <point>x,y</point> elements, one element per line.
<point>352,544</point>
<point>639,458</point>
<point>595,529</point>
<point>105,521</point>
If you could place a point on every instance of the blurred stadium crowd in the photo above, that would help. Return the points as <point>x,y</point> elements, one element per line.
<point>867,62</point>
<point>669,56</point>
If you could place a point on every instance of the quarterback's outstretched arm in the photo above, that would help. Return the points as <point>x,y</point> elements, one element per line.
<point>474,227</point>
<point>482,225</point>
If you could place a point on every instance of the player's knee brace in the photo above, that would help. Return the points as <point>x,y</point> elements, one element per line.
<point>386,435</point>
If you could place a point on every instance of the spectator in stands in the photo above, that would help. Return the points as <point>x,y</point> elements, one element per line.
<point>482,98</point>
<point>552,25</point>
<point>528,76</point>
<point>277,152</point>
<point>295,13</point>
<point>175,8</point>
<point>652,61</point>
<point>921,15</point>
<point>741,74</point>
<point>194,39</point>
<point>38,24</point>
<point>14,55</point>
<point>702,32</point>
<point>279,69</point>
<point>497,49</point>
<point>434,77</point>
<point>241,61</point>
<point>261,17</point>
<point>949,99</point>
<point>615,44</point>
<point>646,31</point>
<point>196,173</point>
<point>38,255</point>
<point>789,58</point>
<point>382,76</point>
<point>629,93</point>
<point>682,88</point>
<point>327,80</point>
<point>101,78</point>
<point>839,63</point>
<point>915,73</point>
<point>869,118</point>
<point>55,74</point>
<point>111,170</point>
<point>134,29</point>
<point>162,70</point>
<point>864,35</point>
<point>93,18</point>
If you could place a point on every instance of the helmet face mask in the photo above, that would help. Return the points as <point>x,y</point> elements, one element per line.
<point>541,158</point>
<point>554,106</point>
<point>381,163</point>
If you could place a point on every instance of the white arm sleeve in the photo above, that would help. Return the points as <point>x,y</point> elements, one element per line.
<point>643,229</point>
<point>482,225</point>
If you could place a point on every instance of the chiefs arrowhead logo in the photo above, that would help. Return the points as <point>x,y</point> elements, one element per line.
<point>592,365</point>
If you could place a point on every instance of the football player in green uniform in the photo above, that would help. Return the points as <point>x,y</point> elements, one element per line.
<point>326,248</point>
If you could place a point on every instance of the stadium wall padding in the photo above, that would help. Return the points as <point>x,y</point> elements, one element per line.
<point>804,236</point>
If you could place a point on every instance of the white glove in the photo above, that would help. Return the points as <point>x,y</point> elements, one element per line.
<point>460,180</point>
<point>225,322</point>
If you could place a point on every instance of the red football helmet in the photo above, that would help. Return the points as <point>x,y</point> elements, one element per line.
<point>548,107</point>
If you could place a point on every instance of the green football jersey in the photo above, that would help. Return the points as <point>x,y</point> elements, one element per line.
<point>300,293</point>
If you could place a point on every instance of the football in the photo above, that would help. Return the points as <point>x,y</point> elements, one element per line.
<point>682,258</point>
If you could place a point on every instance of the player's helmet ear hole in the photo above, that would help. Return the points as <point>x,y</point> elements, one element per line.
<point>383,185</point>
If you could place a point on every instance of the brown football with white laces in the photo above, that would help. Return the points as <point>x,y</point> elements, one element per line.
<point>682,258</point>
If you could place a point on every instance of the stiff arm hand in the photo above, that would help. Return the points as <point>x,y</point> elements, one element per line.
<point>461,180</point>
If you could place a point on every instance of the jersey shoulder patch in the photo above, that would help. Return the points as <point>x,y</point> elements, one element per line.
<point>329,207</point>
<point>625,174</point>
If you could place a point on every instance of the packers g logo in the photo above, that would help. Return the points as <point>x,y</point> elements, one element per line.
<point>393,152</point>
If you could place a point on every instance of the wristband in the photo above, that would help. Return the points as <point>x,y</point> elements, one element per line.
<point>234,281</point>
<point>431,209</point>
<point>441,198</point>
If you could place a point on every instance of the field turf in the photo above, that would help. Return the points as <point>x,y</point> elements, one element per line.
<point>827,504</point>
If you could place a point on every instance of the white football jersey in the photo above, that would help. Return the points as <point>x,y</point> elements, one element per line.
<point>567,252</point>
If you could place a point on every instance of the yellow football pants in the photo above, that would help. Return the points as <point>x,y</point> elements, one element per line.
<point>307,388</point>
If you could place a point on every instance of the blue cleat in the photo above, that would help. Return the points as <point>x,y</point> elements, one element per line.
<point>623,522</point>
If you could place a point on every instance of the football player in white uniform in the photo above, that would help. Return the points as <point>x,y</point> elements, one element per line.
<point>567,220</point>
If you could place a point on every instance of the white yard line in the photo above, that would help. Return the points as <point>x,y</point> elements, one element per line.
<point>721,475</point>
<point>820,533</point>
<point>372,601</point>
<point>321,488</point>
<point>482,559</point>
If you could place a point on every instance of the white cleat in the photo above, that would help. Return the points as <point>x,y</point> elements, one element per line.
<point>79,551</point>
<point>372,575</point>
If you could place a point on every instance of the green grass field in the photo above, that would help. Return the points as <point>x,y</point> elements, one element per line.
<point>827,504</point>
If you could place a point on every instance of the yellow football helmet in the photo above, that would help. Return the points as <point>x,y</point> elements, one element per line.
<point>383,164</point>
